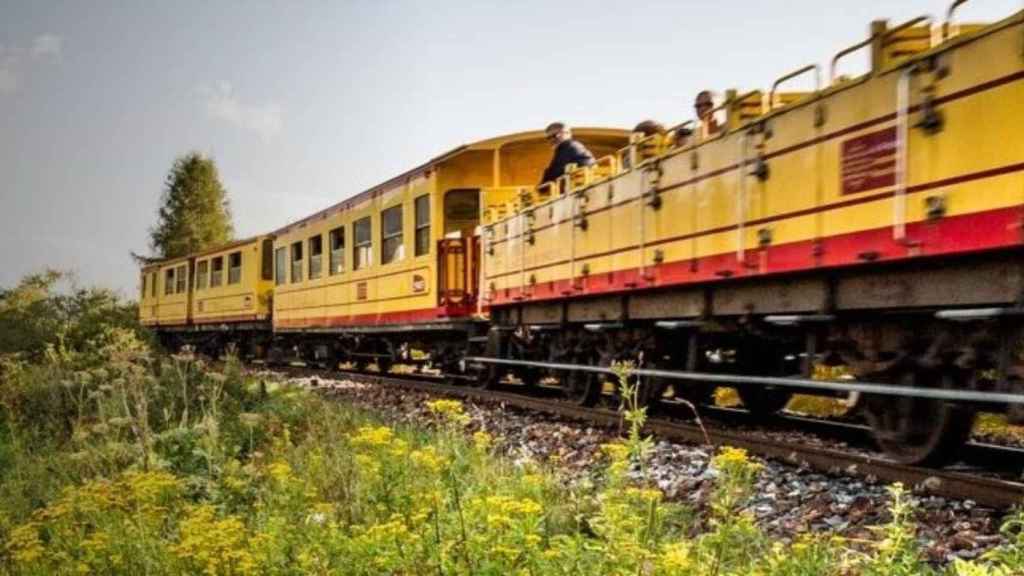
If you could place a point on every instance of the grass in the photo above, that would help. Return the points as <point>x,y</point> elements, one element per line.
<point>131,463</point>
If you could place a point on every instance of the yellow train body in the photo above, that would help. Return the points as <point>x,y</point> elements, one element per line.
<point>233,283</point>
<point>921,156</point>
<point>374,259</point>
<point>228,284</point>
<point>166,293</point>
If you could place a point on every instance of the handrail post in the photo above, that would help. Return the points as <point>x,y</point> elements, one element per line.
<point>741,208</point>
<point>949,17</point>
<point>899,231</point>
<point>794,74</point>
<point>846,52</point>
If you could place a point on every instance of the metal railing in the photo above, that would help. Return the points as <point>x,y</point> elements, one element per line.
<point>776,381</point>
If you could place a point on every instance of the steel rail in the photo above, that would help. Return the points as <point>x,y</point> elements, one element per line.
<point>993,492</point>
<point>785,382</point>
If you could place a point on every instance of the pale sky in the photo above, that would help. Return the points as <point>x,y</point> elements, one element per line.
<point>302,105</point>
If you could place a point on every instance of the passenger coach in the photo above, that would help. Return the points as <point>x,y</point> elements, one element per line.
<point>213,298</point>
<point>378,272</point>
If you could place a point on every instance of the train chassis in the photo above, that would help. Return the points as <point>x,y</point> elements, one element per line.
<point>951,325</point>
<point>977,352</point>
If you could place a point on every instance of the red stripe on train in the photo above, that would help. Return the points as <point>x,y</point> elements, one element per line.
<point>950,235</point>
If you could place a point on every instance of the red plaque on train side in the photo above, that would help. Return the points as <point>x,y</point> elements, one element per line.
<point>869,161</point>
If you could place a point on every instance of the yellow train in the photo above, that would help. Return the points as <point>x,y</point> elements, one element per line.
<point>875,223</point>
<point>214,297</point>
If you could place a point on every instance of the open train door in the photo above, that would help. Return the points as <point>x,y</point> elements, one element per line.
<point>458,274</point>
<point>459,252</point>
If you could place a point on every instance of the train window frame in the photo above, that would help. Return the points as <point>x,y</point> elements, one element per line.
<point>421,233</point>
<point>336,242</point>
<point>364,247</point>
<point>169,281</point>
<point>281,266</point>
<point>235,272</point>
<point>267,259</point>
<point>202,275</point>
<point>392,237</point>
<point>216,271</point>
<point>181,279</point>
<point>453,199</point>
<point>316,260</point>
<point>295,257</point>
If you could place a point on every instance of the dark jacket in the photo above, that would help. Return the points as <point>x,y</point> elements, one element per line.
<point>568,152</point>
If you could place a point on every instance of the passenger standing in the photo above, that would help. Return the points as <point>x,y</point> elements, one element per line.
<point>567,151</point>
<point>649,128</point>
<point>703,106</point>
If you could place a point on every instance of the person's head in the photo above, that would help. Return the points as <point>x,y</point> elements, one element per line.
<point>556,133</point>
<point>649,128</point>
<point>703,104</point>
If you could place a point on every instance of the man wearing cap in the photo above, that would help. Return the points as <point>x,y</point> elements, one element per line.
<point>567,151</point>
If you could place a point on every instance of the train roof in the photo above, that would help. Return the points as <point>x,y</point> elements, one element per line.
<point>612,134</point>
<point>206,251</point>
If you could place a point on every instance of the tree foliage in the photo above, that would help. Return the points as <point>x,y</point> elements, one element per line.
<point>195,212</point>
<point>39,314</point>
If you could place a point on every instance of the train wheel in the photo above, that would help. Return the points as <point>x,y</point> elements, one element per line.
<point>694,393</point>
<point>918,431</point>
<point>762,401</point>
<point>584,388</point>
<point>530,377</point>
<point>486,376</point>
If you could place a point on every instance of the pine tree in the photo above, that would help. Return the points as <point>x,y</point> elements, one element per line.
<point>195,212</point>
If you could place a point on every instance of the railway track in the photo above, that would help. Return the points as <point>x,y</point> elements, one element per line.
<point>992,476</point>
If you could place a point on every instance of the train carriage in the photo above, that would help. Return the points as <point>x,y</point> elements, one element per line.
<point>847,225</point>
<point>377,274</point>
<point>165,294</point>
<point>212,298</point>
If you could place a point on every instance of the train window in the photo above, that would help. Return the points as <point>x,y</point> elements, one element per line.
<point>297,262</point>
<point>202,275</point>
<point>267,259</point>
<point>234,268</point>
<point>392,247</point>
<point>169,282</point>
<point>337,250</point>
<point>181,278</point>
<point>152,284</point>
<point>217,271</point>
<point>280,266</point>
<point>143,286</point>
<point>363,242</point>
<point>316,256</point>
<point>461,210</point>
<point>422,225</point>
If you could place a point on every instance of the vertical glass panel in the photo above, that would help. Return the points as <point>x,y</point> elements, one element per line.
<point>316,256</point>
<point>234,268</point>
<point>280,266</point>
<point>337,250</point>
<point>363,256</point>
<point>422,225</point>
<point>297,262</point>
<point>392,247</point>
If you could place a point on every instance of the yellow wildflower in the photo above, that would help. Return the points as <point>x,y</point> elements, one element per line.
<point>482,440</point>
<point>372,436</point>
